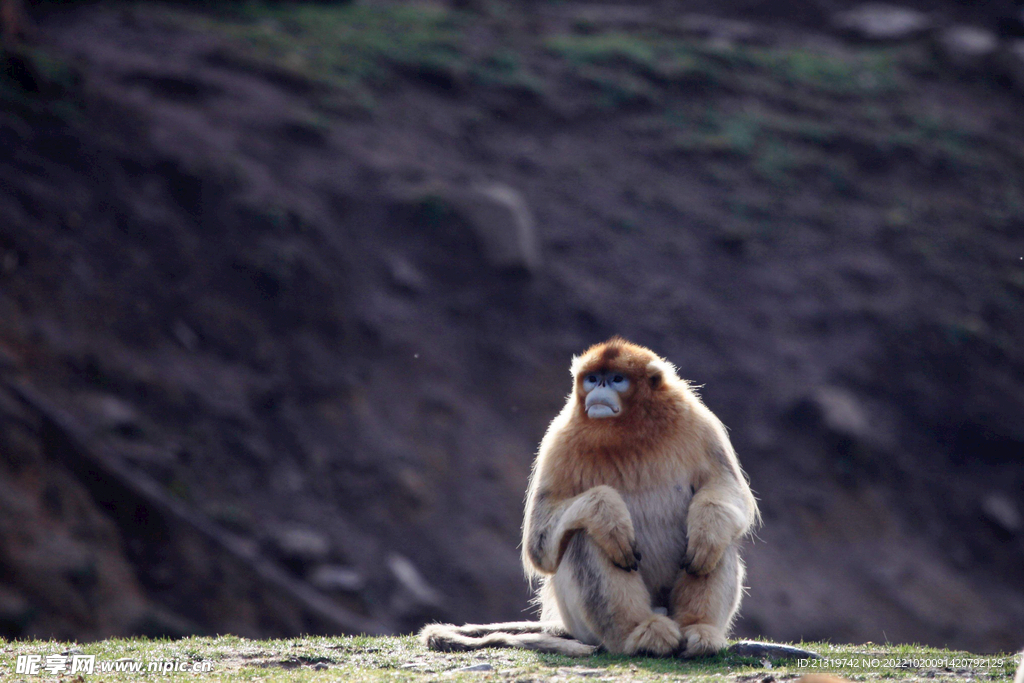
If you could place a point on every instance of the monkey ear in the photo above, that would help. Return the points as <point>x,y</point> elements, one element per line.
<point>658,371</point>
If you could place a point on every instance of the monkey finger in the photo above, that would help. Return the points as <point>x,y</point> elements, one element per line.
<point>625,568</point>
<point>625,559</point>
<point>702,561</point>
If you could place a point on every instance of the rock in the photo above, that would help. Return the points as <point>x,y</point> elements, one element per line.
<point>879,22</point>
<point>414,601</point>
<point>15,614</point>
<point>185,335</point>
<point>835,410</point>
<point>405,276</point>
<point>613,17</point>
<point>1011,64</point>
<point>115,414</point>
<point>299,548</point>
<point>336,579</point>
<point>753,648</point>
<point>476,667</point>
<point>412,582</point>
<point>722,31</point>
<point>967,47</point>
<point>501,221</point>
<point>8,361</point>
<point>582,673</point>
<point>1001,511</point>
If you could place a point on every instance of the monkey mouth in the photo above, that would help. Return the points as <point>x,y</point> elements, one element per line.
<point>599,410</point>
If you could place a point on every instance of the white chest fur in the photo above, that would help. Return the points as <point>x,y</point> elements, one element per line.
<point>659,520</point>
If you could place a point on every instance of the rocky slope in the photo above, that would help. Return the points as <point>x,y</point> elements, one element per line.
<point>316,274</point>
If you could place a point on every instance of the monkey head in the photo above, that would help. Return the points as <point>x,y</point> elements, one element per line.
<point>615,378</point>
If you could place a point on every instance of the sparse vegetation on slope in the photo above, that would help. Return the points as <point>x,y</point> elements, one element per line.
<point>228,232</point>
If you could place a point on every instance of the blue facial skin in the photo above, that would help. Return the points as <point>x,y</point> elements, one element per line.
<point>603,390</point>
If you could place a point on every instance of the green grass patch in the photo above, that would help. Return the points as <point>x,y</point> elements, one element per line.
<point>362,658</point>
<point>33,81</point>
<point>869,72</point>
<point>354,47</point>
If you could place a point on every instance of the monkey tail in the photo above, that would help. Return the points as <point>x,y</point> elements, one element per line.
<point>1019,678</point>
<point>539,636</point>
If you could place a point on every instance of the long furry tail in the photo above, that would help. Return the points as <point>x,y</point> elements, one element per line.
<point>540,636</point>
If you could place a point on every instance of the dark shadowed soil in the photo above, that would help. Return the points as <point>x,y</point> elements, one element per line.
<point>239,264</point>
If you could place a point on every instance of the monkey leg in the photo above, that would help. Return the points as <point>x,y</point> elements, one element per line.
<point>704,606</point>
<point>602,604</point>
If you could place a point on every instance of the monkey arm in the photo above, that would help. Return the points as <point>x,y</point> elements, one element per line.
<point>599,511</point>
<point>722,510</point>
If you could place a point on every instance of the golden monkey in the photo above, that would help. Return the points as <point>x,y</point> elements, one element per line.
<point>634,513</point>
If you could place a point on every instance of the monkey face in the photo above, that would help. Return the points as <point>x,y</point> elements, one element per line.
<point>616,379</point>
<point>603,391</point>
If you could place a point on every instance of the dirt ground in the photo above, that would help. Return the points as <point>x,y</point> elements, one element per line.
<point>252,282</point>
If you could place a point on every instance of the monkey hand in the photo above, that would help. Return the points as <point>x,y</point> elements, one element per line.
<point>703,555</point>
<point>714,522</point>
<point>611,527</point>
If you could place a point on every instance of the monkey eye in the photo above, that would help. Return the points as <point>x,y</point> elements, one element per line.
<point>589,382</point>
<point>619,383</point>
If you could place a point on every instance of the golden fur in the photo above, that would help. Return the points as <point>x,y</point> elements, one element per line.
<point>628,514</point>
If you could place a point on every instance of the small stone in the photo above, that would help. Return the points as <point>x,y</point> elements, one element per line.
<point>476,667</point>
<point>410,579</point>
<point>1001,511</point>
<point>835,410</point>
<point>879,22</point>
<point>753,648</point>
<point>115,414</point>
<point>967,47</point>
<point>405,276</point>
<point>1011,62</point>
<point>7,359</point>
<point>720,30</point>
<point>502,221</point>
<point>185,335</point>
<point>300,546</point>
<point>335,579</point>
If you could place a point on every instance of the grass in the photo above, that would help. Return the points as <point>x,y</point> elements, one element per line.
<point>858,101</point>
<point>229,658</point>
<point>362,49</point>
<point>34,82</point>
<point>779,115</point>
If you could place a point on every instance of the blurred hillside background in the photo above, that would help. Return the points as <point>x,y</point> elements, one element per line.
<point>288,295</point>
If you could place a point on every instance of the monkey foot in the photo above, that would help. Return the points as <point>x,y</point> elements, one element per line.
<point>657,635</point>
<point>702,639</point>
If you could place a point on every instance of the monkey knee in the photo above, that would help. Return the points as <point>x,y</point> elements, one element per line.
<point>598,602</point>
